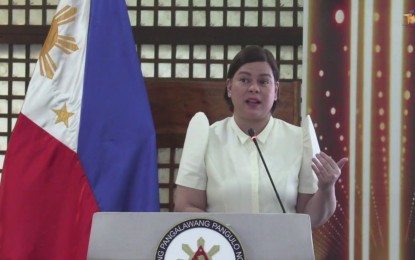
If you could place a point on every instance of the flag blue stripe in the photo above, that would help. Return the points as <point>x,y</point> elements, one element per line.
<point>117,141</point>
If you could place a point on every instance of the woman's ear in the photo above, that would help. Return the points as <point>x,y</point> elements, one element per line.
<point>228,87</point>
<point>277,90</point>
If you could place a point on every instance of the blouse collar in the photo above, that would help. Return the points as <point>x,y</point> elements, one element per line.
<point>244,137</point>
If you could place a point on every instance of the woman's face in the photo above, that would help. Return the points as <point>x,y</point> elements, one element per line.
<point>253,91</point>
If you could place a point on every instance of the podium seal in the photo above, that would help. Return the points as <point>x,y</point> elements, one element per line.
<point>200,238</point>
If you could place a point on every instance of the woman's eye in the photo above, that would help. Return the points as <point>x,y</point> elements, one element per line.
<point>264,82</point>
<point>243,80</point>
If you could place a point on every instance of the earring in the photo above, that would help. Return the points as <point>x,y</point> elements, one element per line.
<point>229,94</point>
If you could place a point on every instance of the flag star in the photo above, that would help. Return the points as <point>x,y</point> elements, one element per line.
<point>63,115</point>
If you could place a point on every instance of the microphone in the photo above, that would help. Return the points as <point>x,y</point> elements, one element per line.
<point>252,134</point>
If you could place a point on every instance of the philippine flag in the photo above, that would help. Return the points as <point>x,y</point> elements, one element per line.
<point>85,139</point>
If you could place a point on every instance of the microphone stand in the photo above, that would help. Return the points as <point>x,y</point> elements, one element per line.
<point>251,133</point>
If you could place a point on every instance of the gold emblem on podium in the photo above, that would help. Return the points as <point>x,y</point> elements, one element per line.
<point>214,241</point>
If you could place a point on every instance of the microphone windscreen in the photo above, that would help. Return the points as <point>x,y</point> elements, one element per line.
<point>251,132</point>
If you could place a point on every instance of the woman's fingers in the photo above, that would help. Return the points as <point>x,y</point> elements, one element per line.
<point>342,162</point>
<point>326,169</point>
<point>327,160</point>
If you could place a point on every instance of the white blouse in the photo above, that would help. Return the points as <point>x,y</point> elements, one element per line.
<point>224,161</point>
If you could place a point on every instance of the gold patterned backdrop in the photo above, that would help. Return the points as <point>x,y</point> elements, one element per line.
<point>359,79</point>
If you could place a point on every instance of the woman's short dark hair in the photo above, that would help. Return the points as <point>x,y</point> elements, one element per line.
<point>247,55</point>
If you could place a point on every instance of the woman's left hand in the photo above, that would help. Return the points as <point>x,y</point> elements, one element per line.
<point>327,170</point>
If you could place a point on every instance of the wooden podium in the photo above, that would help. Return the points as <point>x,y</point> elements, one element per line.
<point>116,235</point>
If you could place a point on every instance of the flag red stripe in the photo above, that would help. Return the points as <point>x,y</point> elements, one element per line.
<point>46,201</point>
